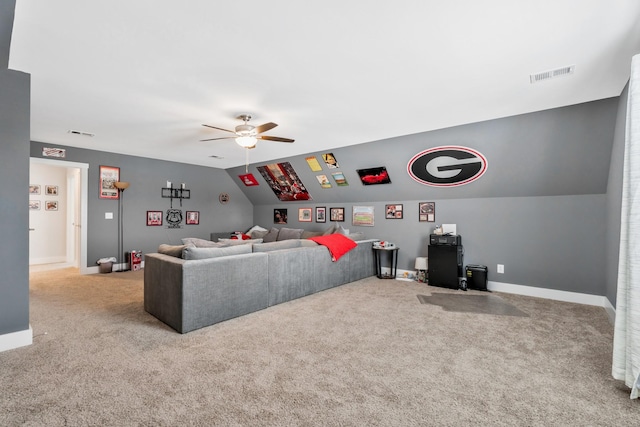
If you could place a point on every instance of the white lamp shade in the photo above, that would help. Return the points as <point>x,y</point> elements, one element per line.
<point>246,141</point>
<point>421,263</point>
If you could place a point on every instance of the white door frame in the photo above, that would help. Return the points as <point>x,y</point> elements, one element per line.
<point>82,200</point>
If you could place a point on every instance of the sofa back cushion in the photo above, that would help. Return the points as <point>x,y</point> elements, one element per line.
<point>173,250</point>
<point>289,233</point>
<point>274,246</point>
<point>235,242</point>
<point>191,253</point>
<point>271,236</point>
<point>202,243</point>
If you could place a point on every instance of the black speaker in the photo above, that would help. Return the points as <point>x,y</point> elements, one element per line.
<point>445,265</point>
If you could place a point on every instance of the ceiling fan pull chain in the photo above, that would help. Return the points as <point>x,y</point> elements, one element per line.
<point>246,165</point>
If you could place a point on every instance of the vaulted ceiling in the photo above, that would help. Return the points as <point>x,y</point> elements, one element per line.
<point>142,76</point>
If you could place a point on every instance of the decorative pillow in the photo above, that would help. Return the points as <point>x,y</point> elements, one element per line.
<point>259,234</point>
<point>330,230</point>
<point>191,253</point>
<point>341,230</point>
<point>271,236</point>
<point>306,234</point>
<point>202,243</point>
<point>173,250</point>
<point>235,242</point>
<point>256,228</point>
<point>289,233</point>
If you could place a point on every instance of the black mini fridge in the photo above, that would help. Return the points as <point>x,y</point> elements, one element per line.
<point>445,265</point>
<point>476,277</point>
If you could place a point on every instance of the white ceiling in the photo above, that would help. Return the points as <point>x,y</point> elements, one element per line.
<point>144,75</point>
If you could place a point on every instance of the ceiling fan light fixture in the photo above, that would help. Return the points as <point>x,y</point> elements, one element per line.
<point>247,141</point>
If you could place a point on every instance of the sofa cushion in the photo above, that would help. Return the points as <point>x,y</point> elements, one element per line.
<point>235,242</point>
<point>256,228</point>
<point>357,236</point>
<point>330,230</point>
<point>202,243</point>
<point>271,236</point>
<point>306,234</point>
<point>273,246</point>
<point>191,253</point>
<point>173,250</point>
<point>259,234</point>
<point>289,233</point>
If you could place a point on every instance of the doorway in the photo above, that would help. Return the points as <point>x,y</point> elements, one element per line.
<point>57,215</point>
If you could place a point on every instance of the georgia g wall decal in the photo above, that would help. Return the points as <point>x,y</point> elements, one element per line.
<point>447,166</point>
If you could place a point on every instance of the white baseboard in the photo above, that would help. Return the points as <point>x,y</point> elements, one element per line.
<point>16,339</point>
<point>579,298</point>
<point>48,260</point>
<point>116,267</point>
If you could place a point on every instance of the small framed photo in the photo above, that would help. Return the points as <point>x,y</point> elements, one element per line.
<point>51,205</point>
<point>154,218</point>
<point>336,214</point>
<point>109,175</point>
<point>304,214</point>
<point>34,189</point>
<point>393,211</point>
<point>321,214</point>
<point>51,190</point>
<point>427,211</point>
<point>34,205</point>
<point>279,216</point>
<point>193,217</point>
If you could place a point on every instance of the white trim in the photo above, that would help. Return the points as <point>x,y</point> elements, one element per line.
<point>553,294</point>
<point>16,339</point>
<point>611,311</point>
<point>48,260</point>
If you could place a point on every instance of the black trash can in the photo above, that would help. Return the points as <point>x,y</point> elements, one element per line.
<point>476,277</point>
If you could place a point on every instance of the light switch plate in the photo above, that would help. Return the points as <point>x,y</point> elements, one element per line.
<point>108,215</point>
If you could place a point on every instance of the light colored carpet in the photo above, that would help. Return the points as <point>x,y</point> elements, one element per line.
<point>363,354</point>
<point>472,303</point>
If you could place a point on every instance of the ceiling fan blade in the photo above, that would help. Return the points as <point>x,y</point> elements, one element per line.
<point>215,139</point>
<point>274,138</point>
<point>265,127</point>
<point>214,127</point>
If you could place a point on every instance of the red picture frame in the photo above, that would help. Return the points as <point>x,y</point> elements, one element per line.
<point>154,218</point>
<point>193,217</point>
<point>109,175</point>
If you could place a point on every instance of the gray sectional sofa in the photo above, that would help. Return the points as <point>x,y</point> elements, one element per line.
<point>209,285</point>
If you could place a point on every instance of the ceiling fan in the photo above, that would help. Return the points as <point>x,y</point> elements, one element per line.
<point>247,135</point>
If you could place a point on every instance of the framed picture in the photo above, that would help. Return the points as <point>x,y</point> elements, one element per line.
<point>109,175</point>
<point>427,211</point>
<point>51,190</point>
<point>393,211</point>
<point>154,218</point>
<point>340,179</point>
<point>34,205</point>
<point>336,214</point>
<point>321,214</point>
<point>193,217</point>
<point>373,176</point>
<point>51,205</point>
<point>34,189</point>
<point>330,161</point>
<point>304,214</point>
<point>279,216</point>
<point>324,181</point>
<point>363,215</point>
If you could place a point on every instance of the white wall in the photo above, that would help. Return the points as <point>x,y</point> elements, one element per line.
<point>48,235</point>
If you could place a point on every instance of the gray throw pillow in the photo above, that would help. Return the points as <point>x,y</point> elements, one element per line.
<point>306,234</point>
<point>271,236</point>
<point>330,230</point>
<point>173,250</point>
<point>259,234</point>
<point>191,253</point>
<point>289,233</point>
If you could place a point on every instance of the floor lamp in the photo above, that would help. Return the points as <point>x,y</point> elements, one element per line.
<point>121,186</point>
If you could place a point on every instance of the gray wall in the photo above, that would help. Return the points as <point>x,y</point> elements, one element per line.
<point>147,177</point>
<point>14,174</point>
<point>540,209</point>
<point>614,199</point>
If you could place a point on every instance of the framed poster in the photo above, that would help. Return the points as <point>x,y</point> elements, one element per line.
<point>51,205</point>
<point>373,176</point>
<point>324,181</point>
<point>336,214</point>
<point>363,215</point>
<point>279,216</point>
<point>304,214</point>
<point>34,189</point>
<point>193,217</point>
<point>427,211</point>
<point>321,214</point>
<point>340,179</point>
<point>108,176</point>
<point>154,218</point>
<point>34,205</point>
<point>393,211</point>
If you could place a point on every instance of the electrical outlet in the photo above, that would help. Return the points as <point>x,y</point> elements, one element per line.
<point>108,215</point>
<point>501,268</point>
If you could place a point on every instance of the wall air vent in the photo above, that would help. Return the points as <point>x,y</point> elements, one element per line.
<point>81,133</point>
<point>546,75</point>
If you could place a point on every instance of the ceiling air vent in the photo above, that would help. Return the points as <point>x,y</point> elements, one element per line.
<point>546,75</point>
<point>81,133</point>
